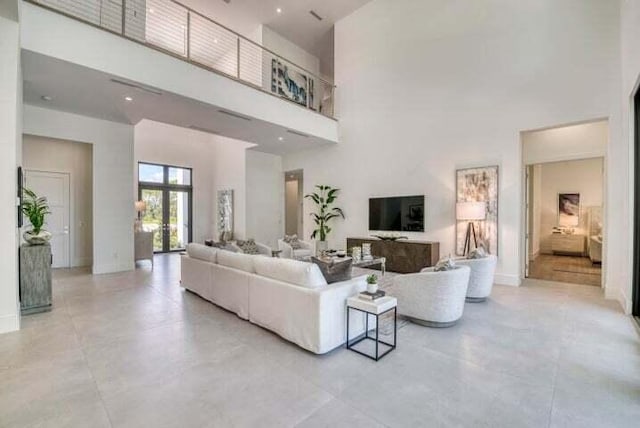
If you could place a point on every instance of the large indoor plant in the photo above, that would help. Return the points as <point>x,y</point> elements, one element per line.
<point>324,198</point>
<point>35,208</point>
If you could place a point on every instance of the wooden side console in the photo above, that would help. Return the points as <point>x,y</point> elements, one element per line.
<point>403,256</point>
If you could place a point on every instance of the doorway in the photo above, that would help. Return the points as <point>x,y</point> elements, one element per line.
<point>293,201</point>
<point>55,186</point>
<point>167,193</point>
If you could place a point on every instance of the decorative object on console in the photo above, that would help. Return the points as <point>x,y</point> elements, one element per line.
<point>289,83</point>
<point>470,212</point>
<point>140,207</point>
<point>324,198</point>
<point>366,251</point>
<point>479,185</point>
<point>332,269</point>
<point>390,237</point>
<point>356,253</point>
<point>225,214</point>
<point>372,284</point>
<point>36,209</point>
<point>569,209</point>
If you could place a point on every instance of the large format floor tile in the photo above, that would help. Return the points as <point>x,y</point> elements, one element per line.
<point>135,350</point>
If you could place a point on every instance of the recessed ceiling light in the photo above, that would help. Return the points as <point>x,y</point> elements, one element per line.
<point>215,40</point>
<point>46,98</point>
<point>128,99</point>
<point>151,10</point>
<point>279,10</point>
<point>280,138</point>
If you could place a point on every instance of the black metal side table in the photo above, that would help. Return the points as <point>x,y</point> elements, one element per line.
<point>377,308</point>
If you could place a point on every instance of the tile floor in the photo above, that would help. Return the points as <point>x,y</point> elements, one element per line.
<point>134,350</point>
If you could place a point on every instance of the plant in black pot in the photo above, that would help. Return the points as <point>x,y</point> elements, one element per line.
<point>35,208</point>
<point>324,198</point>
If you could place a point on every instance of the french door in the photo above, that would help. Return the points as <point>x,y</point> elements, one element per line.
<point>167,193</point>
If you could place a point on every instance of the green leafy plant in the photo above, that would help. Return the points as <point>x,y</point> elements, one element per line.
<point>372,279</point>
<point>35,208</point>
<point>324,197</point>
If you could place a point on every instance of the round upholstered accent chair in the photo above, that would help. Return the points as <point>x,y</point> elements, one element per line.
<point>430,298</point>
<point>481,277</point>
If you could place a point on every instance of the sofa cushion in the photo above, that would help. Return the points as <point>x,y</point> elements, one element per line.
<point>248,247</point>
<point>445,264</point>
<point>238,261</point>
<point>202,252</point>
<point>291,271</point>
<point>293,241</point>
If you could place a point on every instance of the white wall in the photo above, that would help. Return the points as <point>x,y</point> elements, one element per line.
<point>289,50</point>
<point>218,163</point>
<point>113,211</point>
<point>47,154</point>
<point>265,198</point>
<point>10,146</point>
<point>581,141</point>
<point>425,87</point>
<point>620,160</point>
<point>578,176</point>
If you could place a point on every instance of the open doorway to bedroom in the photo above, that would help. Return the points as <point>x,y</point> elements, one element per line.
<point>564,203</point>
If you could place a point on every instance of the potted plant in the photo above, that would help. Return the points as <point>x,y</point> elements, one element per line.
<point>324,197</point>
<point>35,208</point>
<point>372,284</point>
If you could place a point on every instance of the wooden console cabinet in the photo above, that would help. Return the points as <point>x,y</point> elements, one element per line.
<point>567,244</point>
<point>403,256</point>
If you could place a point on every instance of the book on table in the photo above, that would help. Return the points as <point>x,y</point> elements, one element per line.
<point>365,295</point>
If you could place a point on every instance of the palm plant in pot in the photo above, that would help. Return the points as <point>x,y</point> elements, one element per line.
<point>324,198</point>
<point>35,208</point>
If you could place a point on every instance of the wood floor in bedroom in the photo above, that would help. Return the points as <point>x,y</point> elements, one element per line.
<point>569,269</point>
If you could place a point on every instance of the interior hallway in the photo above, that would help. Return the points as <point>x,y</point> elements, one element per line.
<point>134,349</point>
<point>568,269</point>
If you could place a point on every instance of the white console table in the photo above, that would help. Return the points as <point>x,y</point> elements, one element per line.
<point>567,244</point>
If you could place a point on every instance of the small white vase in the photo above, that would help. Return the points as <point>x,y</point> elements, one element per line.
<point>320,247</point>
<point>40,238</point>
<point>372,288</point>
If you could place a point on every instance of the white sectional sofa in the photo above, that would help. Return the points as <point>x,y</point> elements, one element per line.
<point>288,297</point>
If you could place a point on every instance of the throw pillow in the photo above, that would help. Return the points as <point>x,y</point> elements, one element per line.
<point>334,270</point>
<point>445,264</point>
<point>477,253</point>
<point>248,247</point>
<point>293,241</point>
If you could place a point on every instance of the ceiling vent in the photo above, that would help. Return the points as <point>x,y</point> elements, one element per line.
<point>299,134</point>
<point>315,15</point>
<point>137,86</point>
<point>236,115</point>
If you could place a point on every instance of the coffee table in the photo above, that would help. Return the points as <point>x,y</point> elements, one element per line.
<point>373,261</point>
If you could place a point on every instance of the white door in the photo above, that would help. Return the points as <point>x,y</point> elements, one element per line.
<point>55,187</point>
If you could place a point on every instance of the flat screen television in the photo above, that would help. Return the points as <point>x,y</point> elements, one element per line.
<point>397,214</point>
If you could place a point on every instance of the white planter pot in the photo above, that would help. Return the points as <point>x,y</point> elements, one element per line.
<point>321,246</point>
<point>372,288</point>
<point>36,239</point>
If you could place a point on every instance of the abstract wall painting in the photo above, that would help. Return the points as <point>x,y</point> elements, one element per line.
<point>479,185</point>
<point>568,209</point>
<point>291,84</point>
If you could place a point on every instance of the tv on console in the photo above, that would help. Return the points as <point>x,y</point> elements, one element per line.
<point>397,214</point>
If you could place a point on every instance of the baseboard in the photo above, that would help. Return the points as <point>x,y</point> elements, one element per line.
<point>113,268</point>
<point>507,279</point>
<point>620,296</point>
<point>82,262</point>
<point>9,323</point>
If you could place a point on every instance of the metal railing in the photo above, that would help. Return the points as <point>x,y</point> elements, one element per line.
<point>175,29</point>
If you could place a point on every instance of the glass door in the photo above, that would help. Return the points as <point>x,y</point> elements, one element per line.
<point>167,193</point>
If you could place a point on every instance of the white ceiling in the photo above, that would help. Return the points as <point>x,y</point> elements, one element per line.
<point>294,23</point>
<point>88,92</point>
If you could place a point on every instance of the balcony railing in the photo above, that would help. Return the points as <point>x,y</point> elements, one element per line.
<point>180,31</point>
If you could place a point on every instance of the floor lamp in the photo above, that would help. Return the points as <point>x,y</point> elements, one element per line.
<point>471,212</point>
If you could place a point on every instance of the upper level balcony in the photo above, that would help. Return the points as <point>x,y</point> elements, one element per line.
<point>181,67</point>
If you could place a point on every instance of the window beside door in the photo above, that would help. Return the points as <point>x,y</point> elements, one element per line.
<point>167,192</point>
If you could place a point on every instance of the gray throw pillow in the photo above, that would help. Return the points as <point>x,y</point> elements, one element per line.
<point>293,241</point>
<point>445,264</point>
<point>248,247</point>
<point>477,253</point>
<point>334,270</point>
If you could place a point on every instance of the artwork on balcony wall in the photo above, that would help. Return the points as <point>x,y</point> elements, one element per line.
<point>291,84</point>
<point>568,209</point>
<point>479,185</point>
